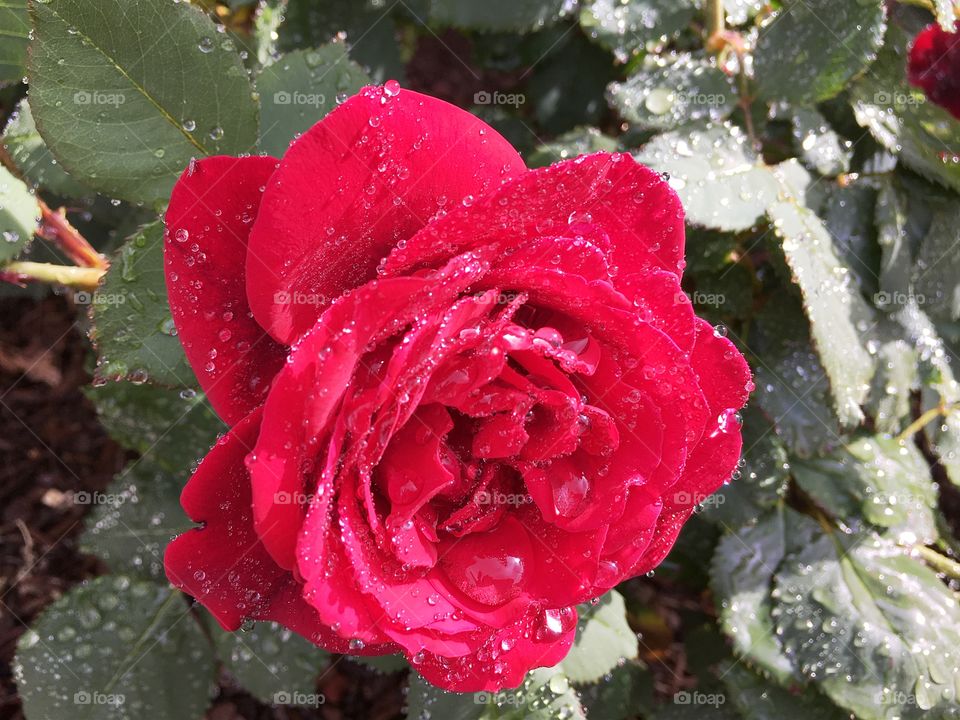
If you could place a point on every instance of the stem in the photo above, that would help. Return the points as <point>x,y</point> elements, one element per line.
<point>927,417</point>
<point>81,278</point>
<point>716,19</point>
<point>940,563</point>
<point>55,227</point>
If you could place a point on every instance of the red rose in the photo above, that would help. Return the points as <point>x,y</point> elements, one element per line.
<point>465,396</point>
<point>934,66</point>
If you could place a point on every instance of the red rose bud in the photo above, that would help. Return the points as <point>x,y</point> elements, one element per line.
<point>934,66</point>
<point>465,396</point>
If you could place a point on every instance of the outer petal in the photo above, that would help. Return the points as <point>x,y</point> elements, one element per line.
<point>607,199</point>
<point>223,564</point>
<point>934,66</point>
<point>208,220</point>
<point>371,173</point>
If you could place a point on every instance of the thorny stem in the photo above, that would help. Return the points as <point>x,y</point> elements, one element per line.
<point>82,278</point>
<point>55,227</point>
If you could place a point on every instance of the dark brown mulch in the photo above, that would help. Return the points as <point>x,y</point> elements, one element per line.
<point>52,447</point>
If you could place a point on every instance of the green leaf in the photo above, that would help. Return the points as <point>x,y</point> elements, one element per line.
<point>14,30</point>
<point>876,630</point>
<point>545,694</point>
<point>820,147</point>
<point>368,26</point>
<point>722,184</point>
<point>847,211</point>
<point>501,15</point>
<point>792,386</point>
<point>19,215</point>
<point>936,276</point>
<point>604,639</point>
<point>560,100</point>
<point>826,285</point>
<point>579,141</point>
<point>940,388</point>
<point>135,518</point>
<point>891,216</point>
<point>132,327</point>
<point>124,115</point>
<point>115,649</point>
<point>273,664</point>
<point>811,49</point>
<point>299,89</point>
<point>759,484</point>
<point>877,479</point>
<point>627,27</point>
<point>889,400</point>
<point>33,158</point>
<point>759,700</point>
<point>175,427</point>
<point>743,568</point>
<point>139,513</point>
<point>624,690</point>
<point>383,664</point>
<point>923,135</point>
<point>664,95</point>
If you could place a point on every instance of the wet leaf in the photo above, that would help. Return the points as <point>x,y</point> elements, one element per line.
<point>722,184</point>
<point>33,158</point>
<point>19,215</point>
<point>839,316</point>
<point>820,147</point>
<point>757,699</point>
<point>117,112</point>
<point>273,664</point>
<point>115,648</point>
<point>810,49</point>
<point>300,88</point>
<point>132,328</point>
<point>875,629</point>
<point>878,480</point>
<point>604,639</point>
<point>627,26</point>
<point>741,575</point>
<point>936,275</point>
<point>14,29</point>
<point>665,94</point>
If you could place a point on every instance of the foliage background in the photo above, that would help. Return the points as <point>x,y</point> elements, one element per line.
<point>823,227</point>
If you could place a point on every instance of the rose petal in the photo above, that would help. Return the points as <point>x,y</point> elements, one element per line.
<point>208,220</point>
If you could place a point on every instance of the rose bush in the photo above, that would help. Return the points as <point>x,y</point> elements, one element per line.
<point>465,396</point>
